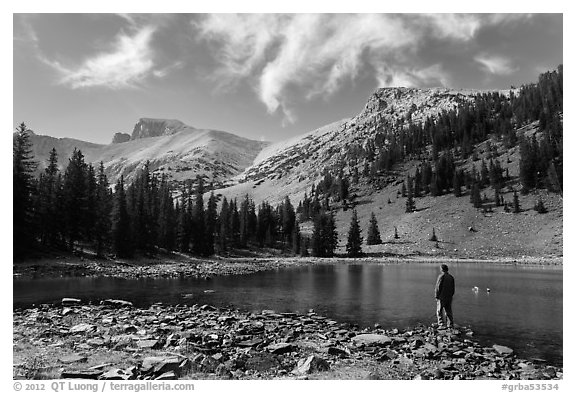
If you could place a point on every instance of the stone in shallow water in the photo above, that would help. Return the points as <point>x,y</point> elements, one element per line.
<point>70,301</point>
<point>502,350</point>
<point>117,303</point>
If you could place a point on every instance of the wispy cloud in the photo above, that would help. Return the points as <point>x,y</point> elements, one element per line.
<point>317,53</point>
<point>494,64</point>
<point>126,64</point>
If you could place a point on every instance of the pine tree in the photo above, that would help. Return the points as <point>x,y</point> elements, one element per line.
<point>354,244</point>
<point>324,236</point>
<point>49,193</point>
<point>223,221</point>
<point>23,166</point>
<point>76,197</point>
<point>211,219</point>
<point>475,196</point>
<point>410,204</point>
<point>539,206</point>
<point>516,203</point>
<point>121,228</point>
<point>296,240</point>
<point>396,233</point>
<point>373,232</point>
<point>433,238</point>
<point>457,184</point>
<point>198,221</point>
<point>103,210</point>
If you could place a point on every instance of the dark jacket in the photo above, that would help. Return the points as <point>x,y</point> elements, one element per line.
<point>445,286</point>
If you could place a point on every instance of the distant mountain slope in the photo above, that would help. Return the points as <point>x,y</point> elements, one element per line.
<point>180,151</point>
<point>290,167</point>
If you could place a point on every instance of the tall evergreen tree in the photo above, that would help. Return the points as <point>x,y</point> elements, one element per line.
<point>410,204</point>
<point>324,236</point>
<point>354,243</point>
<point>103,210</point>
<point>198,233</point>
<point>76,198</point>
<point>373,232</point>
<point>121,228</point>
<point>211,219</point>
<point>516,203</point>
<point>23,167</point>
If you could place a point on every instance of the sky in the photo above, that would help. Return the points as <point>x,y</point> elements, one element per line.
<point>260,76</point>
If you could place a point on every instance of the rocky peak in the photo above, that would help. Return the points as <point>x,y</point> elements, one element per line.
<point>120,137</point>
<point>147,128</point>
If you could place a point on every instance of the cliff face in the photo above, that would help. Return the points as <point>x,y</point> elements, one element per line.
<point>148,128</point>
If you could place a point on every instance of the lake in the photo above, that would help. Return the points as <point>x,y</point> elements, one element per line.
<point>523,309</point>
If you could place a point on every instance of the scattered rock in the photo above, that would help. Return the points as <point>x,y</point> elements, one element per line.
<point>310,365</point>
<point>74,358</point>
<point>372,339</point>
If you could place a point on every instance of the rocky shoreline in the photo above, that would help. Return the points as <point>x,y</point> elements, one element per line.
<point>179,266</point>
<point>115,340</point>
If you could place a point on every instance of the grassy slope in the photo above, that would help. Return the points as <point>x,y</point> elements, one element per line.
<point>496,234</point>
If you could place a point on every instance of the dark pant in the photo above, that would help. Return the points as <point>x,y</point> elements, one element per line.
<point>444,306</point>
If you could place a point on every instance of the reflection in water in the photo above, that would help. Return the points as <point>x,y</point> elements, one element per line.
<point>523,308</point>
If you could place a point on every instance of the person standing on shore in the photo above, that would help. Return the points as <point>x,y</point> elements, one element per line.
<point>444,293</point>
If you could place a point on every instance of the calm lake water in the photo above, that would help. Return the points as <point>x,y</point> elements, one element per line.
<point>523,309</point>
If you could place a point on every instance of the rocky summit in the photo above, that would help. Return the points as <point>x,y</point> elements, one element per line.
<point>119,342</point>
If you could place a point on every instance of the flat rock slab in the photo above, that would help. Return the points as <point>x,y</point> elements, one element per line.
<point>117,303</point>
<point>372,339</point>
<point>147,344</point>
<point>82,328</point>
<point>281,348</point>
